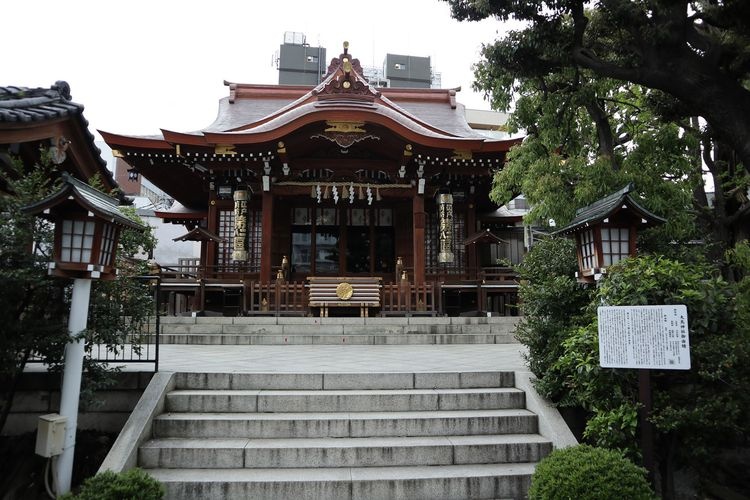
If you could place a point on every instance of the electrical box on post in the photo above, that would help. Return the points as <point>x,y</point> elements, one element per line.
<point>50,435</point>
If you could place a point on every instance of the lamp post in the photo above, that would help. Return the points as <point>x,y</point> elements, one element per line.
<point>606,232</point>
<point>87,229</point>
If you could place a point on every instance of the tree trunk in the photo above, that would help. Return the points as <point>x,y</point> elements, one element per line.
<point>603,131</point>
<point>720,166</point>
<point>723,102</point>
<point>666,468</point>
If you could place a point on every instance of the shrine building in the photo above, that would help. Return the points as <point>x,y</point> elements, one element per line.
<point>295,190</point>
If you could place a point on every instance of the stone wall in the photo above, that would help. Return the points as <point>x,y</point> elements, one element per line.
<point>39,394</point>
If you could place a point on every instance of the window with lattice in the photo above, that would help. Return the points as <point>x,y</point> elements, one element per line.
<point>615,244</point>
<point>226,233</point>
<point>588,253</point>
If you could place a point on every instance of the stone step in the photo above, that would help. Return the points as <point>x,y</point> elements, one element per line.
<point>344,381</point>
<point>342,452</point>
<point>331,329</point>
<point>336,339</point>
<point>335,424</point>
<point>343,400</point>
<point>335,322</point>
<point>336,331</point>
<point>367,483</point>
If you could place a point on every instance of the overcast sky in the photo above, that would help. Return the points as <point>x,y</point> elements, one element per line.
<point>139,66</point>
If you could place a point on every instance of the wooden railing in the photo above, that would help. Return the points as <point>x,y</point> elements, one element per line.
<point>235,294</point>
<point>189,268</point>
<point>410,299</point>
<point>448,274</point>
<point>276,298</point>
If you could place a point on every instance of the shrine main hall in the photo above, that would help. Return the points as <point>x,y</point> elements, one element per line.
<point>336,198</point>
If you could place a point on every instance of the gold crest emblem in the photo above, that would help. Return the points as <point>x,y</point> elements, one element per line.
<point>344,291</point>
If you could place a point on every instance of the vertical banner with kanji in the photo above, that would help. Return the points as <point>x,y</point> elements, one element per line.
<point>240,225</point>
<point>445,208</point>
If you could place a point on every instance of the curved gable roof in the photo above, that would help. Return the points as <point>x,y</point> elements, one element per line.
<point>254,114</point>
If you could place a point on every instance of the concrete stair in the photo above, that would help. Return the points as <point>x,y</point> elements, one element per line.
<point>336,331</point>
<point>348,436</point>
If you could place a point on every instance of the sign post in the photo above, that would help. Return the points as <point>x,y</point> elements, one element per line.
<point>644,338</point>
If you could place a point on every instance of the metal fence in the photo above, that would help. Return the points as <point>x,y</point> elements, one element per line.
<point>136,347</point>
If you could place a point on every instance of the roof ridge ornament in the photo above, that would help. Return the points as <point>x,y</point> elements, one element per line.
<point>344,77</point>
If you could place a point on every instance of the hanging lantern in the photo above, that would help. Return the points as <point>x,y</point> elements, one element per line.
<point>445,212</point>
<point>240,225</point>
<point>87,229</point>
<point>606,232</point>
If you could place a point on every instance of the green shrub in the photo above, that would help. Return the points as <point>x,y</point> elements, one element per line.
<point>696,412</point>
<point>134,484</point>
<point>584,472</point>
<point>553,306</point>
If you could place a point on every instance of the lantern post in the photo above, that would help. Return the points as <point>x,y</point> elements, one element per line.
<point>87,229</point>
<point>606,232</point>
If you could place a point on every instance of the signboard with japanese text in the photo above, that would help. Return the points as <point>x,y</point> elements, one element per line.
<point>654,337</point>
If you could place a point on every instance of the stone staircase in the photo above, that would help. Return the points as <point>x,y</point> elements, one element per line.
<point>344,436</point>
<point>263,330</point>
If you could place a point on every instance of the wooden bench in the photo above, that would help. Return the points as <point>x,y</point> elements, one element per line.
<point>361,292</point>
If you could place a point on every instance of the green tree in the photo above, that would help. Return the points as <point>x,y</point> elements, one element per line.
<point>34,308</point>
<point>694,50</point>
<point>608,92</point>
<point>699,411</point>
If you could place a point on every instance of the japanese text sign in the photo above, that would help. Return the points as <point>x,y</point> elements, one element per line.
<point>644,337</point>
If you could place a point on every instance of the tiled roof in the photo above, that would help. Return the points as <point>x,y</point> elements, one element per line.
<point>94,200</point>
<point>21,104</point>
<point>605,207</point>
<point>485,236</point>
<point>199,234</point>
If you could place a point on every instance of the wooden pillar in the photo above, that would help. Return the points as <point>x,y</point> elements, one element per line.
<point>418,221</point>
<point>267,237</point>
<point>205,244</point>
<point>211,250</point>
<point>471,252</point>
